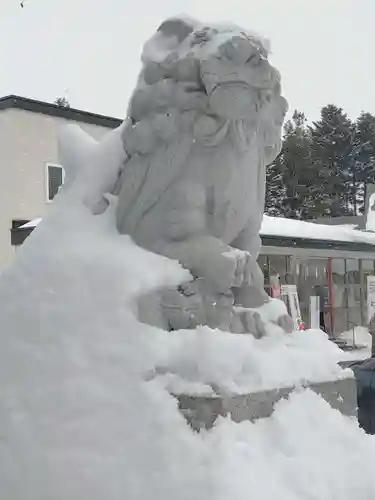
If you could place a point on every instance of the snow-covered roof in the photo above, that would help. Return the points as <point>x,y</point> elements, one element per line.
<point>47,108</point>
<point>291,228</point>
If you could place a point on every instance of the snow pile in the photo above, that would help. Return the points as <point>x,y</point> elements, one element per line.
<point>270,311</point>
<point>361,337</point>
<point>361,342</point>
<point>208,362</point>
<point>305,451</point>
<point>79,421</point>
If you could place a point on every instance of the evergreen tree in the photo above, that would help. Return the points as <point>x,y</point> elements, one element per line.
<point>363,157</point>
<point>62,102</point>
<point>290,176</point>
<point>275,190</point>
<point>333,138</point>
<point>322,169</point>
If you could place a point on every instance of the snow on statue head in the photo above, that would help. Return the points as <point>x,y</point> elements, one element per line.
<point>213,83</point>
<point>203,122</point>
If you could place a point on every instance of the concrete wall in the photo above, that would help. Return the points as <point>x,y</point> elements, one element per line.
<point>28,141</point>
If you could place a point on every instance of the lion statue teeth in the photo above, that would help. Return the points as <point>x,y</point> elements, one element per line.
<point>203,122</point>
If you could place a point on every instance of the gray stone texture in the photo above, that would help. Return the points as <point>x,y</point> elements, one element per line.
<point>202,412</point>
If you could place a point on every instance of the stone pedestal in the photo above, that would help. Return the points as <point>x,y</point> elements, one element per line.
<point>201,412</point>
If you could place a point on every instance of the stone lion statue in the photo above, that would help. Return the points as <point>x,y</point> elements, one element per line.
<point>203,122</point>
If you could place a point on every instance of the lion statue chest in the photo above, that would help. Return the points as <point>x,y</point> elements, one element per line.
<point>215,189</point>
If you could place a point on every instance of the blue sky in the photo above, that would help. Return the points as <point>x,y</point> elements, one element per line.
<point>90,49</point>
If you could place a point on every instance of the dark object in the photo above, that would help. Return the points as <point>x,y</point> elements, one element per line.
<point>322,322</point>
<point>371,329</point>
<point>322,292</point>
<point>55,180</point>
<point>18,234</point>
<point>365,377</point>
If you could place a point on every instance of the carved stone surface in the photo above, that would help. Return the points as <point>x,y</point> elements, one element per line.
<point>202,412</point>
<point>203,122</point>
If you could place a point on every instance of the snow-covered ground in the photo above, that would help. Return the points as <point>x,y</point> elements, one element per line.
<point>361,339</point>
<point>78,418</point>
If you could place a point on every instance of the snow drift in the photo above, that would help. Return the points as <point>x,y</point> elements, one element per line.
<point>77,417</point>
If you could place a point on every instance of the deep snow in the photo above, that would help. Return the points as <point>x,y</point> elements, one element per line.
<point>77,418</point>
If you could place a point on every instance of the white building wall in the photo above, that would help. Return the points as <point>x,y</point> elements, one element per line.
<point>28,141</point>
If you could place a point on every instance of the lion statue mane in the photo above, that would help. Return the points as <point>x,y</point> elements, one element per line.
<point>204,121</point>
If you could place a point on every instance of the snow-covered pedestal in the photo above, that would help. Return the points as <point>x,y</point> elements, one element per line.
<point>214,374</point>
<point>201,412</point>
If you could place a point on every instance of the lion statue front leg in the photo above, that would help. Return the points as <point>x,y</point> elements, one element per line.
<point>250,296</point>
<point>227,286</point>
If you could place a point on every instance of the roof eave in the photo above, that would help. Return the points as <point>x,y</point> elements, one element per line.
<point>45,108</point>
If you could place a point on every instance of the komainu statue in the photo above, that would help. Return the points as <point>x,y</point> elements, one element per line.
<point>203,122</point>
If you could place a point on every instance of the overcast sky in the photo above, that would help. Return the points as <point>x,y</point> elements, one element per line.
<point>90,48</point>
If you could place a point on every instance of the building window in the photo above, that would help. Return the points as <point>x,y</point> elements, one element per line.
<point>279,267</point>
<point>276,268</point>
<point>54,179</point>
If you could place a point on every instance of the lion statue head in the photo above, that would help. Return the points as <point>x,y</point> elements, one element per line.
<point>208,82</point>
